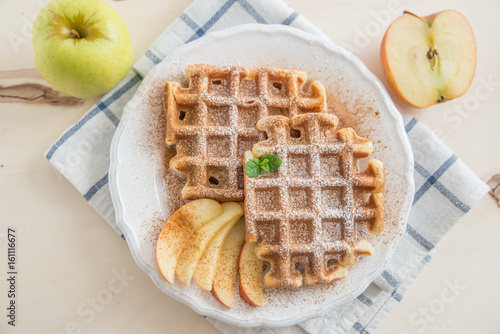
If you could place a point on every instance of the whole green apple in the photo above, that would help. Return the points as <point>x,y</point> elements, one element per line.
<point>82,48</point>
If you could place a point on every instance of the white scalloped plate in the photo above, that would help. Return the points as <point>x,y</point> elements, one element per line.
<point>146,192</point>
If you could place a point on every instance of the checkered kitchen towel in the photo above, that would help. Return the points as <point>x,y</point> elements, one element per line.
<point>445,188</point>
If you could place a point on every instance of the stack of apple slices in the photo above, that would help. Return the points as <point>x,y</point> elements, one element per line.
<point>205,240</point>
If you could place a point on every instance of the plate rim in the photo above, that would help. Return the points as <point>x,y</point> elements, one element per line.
<point>313,312</point>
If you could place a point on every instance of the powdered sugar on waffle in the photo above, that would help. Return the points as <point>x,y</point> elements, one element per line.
<point>213,120</point>
<point>300,198</point>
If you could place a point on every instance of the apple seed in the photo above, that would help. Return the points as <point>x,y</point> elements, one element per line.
<point>432,56</point>
<point>441,99</point>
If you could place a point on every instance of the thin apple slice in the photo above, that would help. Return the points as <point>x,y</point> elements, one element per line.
<point>224,285</point>
<point>198,242</point>
<point>251,267</point>
<point>180,225</point>
<point>204,272</point>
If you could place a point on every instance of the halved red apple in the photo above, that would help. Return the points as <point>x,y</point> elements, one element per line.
<point>430,59</point>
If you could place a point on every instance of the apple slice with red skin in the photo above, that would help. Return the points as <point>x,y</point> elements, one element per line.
<point>178,228</point>
<point>200,239</point>
<point>224,284</point>
<point>204,273</point>
<point>430,59</point>
<point>251,267</point>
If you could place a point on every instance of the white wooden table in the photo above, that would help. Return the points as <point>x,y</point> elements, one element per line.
<point>69,259</point>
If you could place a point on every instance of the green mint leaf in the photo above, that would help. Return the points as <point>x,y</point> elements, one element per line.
<point>252,168</point>
<point>264,165</point>
<point>274,161</point>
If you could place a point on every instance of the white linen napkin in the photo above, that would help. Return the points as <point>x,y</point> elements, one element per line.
<point>445,188</point>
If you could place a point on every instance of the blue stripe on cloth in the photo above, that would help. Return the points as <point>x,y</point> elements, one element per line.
<point>108,113</point>
<point>190,23</point>
<point>427,258</point>
<point>396,296</point>
<point>115,96</point>
<point>434,177</point>
<point>365,300</point>
<point>410,124</point>
<point>357,326</point>
<point>442,189</point>
<point>391,280</point>
<point>453,199</point>
<point>250,10</point>
<point>419,238</point>
<point>154,58</point>
<point>290,19</point>
<point>95,188</point>
<point>200,32</point>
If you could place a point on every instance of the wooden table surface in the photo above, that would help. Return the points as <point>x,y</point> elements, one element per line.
<point>67,255</point>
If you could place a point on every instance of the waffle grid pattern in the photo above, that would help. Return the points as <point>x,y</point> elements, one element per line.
<point>293,209</point>
<point>213,121</point>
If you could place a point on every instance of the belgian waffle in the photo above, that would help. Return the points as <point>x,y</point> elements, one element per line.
<point>310,210</point>
<point>213,121</point>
